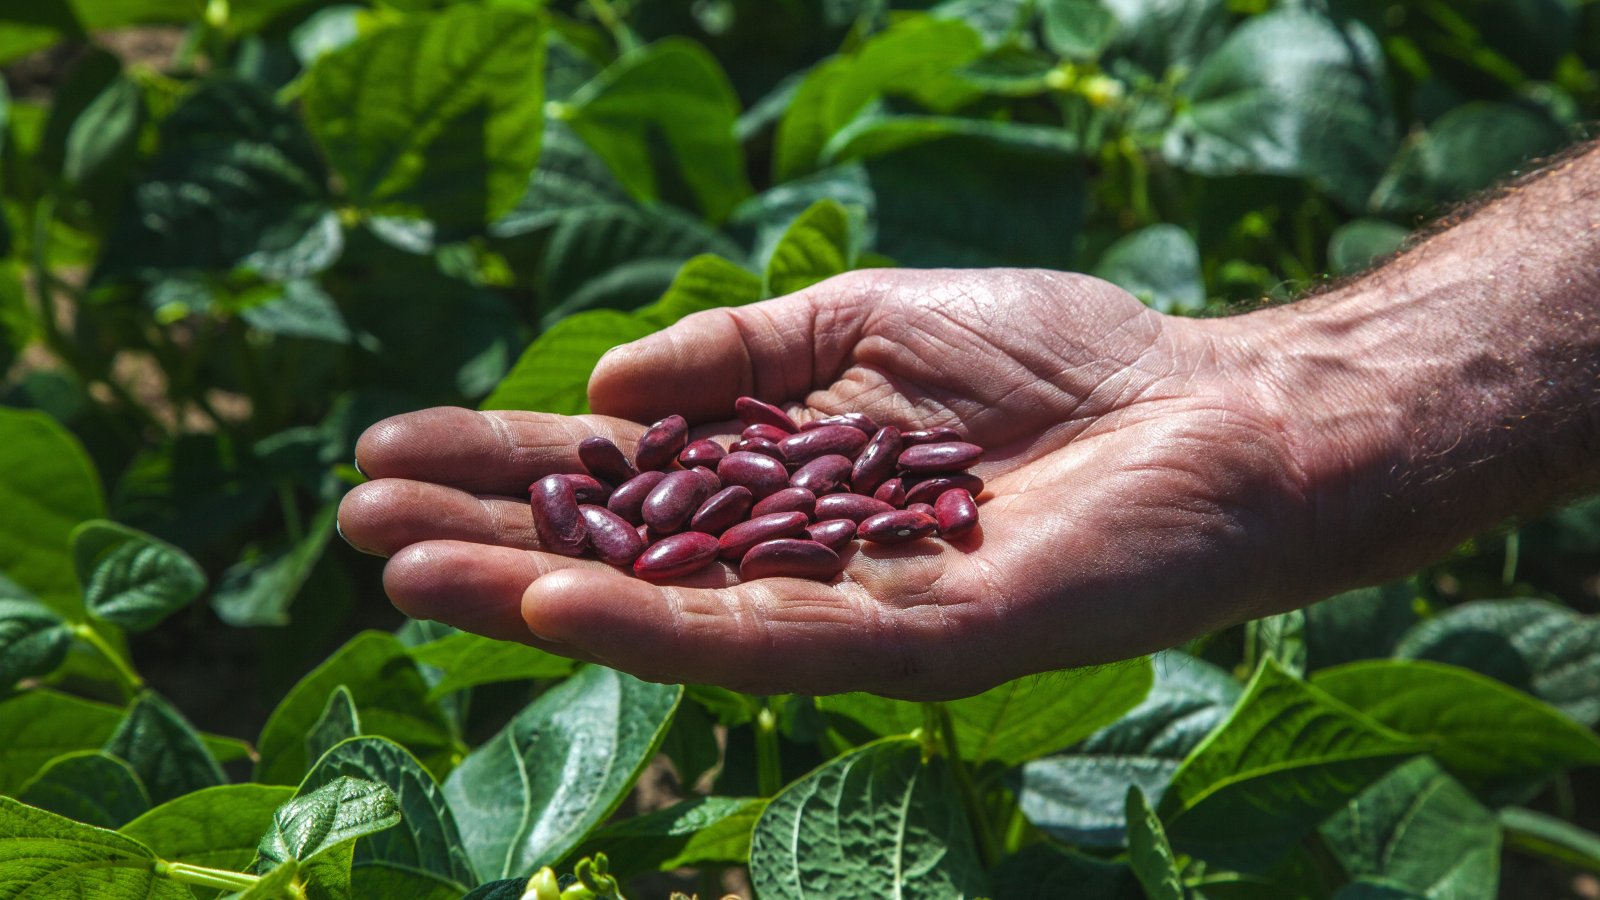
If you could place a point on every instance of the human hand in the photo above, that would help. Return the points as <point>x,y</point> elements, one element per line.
<point>1141,490</point>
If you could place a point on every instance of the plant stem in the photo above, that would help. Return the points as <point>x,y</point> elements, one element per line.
<point>1508,571</point>
<point>131,682</point>
<point>769,772</point>
<point>988,843</point>
<point>200,876</point>
<point>620,32</point>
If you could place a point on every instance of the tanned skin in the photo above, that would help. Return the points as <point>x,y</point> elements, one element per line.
<point>1150,478</point>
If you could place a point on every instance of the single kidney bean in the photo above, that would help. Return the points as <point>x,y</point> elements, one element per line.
<point>754,412</point>
<point>556,516</point>
<point>791,499</point>
<point>586,489</point>
<point>713,482</point>
<point>737,541</point>
<point>956,511</point>
<point>927,488</point>
<point>605,460</point>
<point>613,539</point>
<point>764,431</point>
<point>758,445</point>
<point>859,421</point>
<point>790,558</point>
<point>799,449</point>
<point>674,500</point>
<point>876,463</point>
<point>848,506</point>
<point>892,492</point>
<point>822,474</point>
<point>939,435</point>
<point>835,534</point>
<point>725,509</point>
<point>627,500</point>
<point>896,527</point>
<point>924,508</point>
<point>661,443</point>
<point>704,452</point>
<point>947,457</point>
<point>676,556</point>
<point>763,475</point>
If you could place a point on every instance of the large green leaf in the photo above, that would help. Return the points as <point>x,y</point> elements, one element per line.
<point>875,135</point>
<point>336,813</point>
<point>700,831</point>
<point>1149,854</point>
<point>1159,264</point>
<point>819,244</point>
<point>875,822</point>
<point>33,640</point>
<point>46,855</point>
<point>1287,757</point>
<point>89,786</point>
<point>439,115</point>
<point>1357,244</point>
<point>1465,150</point>
<point>469,660</point>
<point>130,578</point>
<point>160,744</point>
<point>340,721</point>
<point>47,486</point>
<point>218,827</point>
<point>770,213</point>
<point>533,791</point>
<point>40,725</point>
<point>1550,837</point>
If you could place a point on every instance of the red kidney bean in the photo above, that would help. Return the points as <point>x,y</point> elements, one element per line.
<point>758,445</point>
<point>627,500</point>
<point>661,443</point>
<point>674,500</point>
<point>792,499</point>
<point>754,412</point>
<point>931,436</point>
<point>858,421</point>
<point>586,489</point>
<point>763,475</point>
<point>924,508</point>
<point>713,483</point>
<point>896,527</point>
<point>764,431</point>
<point>876,463</point>
<point>956,511</point>
<point>854,507</point>
<point>725,509</point>
<point>737,541</point>
<point>892,492</point>
<point>948,457</point>
<point>835,534</point>
<point>790,558</point>
<point>704,452</point>
<point>556,516</point>
<point>605,460</point>
<point>927,488</point>
<point>822,474</point>
<point>613,539</point>
<point>799,449</point>
<point>676,556</point>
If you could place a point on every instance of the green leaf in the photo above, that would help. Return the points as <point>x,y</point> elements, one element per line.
<point>89,786</point>
<point>282,883</point>
<point>771,212</point>
<point>1359,624</point>
<point>1158,36</point>
<point>469,660</point>
<point>384,880</point>
<point>1463,151</point>
<point>131,579</point>
<point>1149,854</point>
<point>819,244</point>
<point>47,486</point>
<point>533,791</point>
<point>217,827</point>
<point>33,640</point>
<point>47,855</point>
<point>1038,872</point>
<point>339,721</point>
<point>1077,29</point>
<point>426,839</point>
<point>166,751</point>
<point>341,810</point>
<point>1358,244</point>
<point>259,591</point>
<point>876,135</point>
<point>1160,265</point>
<point>299,308</point>
<point>40,725</point>
<point>390,695</point>
<point>1550,838</point>
<point>875,822</point>
<point>676,92</point>
<point>107,130</point>
<point>701,831</point>
<point>439,115</point>
<point>1287,757</point>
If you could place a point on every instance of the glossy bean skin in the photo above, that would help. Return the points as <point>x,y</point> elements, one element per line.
<point>764,431</point>
<point>674,500</point>
<point>898,526</point>
<point>952,456</point>
<point>790,558</point>
<point>822,474</point>
<point>931,436</point>
<point>710,477</point>
<point>661,443</point>
<point>704,452</point>
<point>756,412</point>
<point>676,556</point>
<point>725,509</point>
<point>835,534</point>
<point>613,539</point>
<point>587,489</point>
<point>927,488</point>
<point>876,463</point>
<point>924,508</point>
<point>799,449</point>
<point>956,512</point>
<point>758,445</point>
<point>763,475</point>
<point>859,421</point>
<point>627,500</point>
<point>854,507</point>
<point>791,499</point>
<point>892,492</point>
<point>605,460</point>
<point>737,541</point>
<point>556,516</point>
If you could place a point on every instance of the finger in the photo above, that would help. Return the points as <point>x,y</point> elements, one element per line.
<point>386,515</point>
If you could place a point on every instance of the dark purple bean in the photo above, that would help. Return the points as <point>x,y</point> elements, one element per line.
<point>588,490</point>
<point>896,527</point>
<point>763,475</point>
<point>790,558</point>
<point>924,508</point>
<point>835,534</point>
<point>822,474</point>
<point>556,517</point>
<point>676,556</point>
<point>738,540</point>
<point>948,457</point>
<point>726,508</point>
<point>758,445</point>
<point>799,449</point>
<point>613,539</point>
<point>956,511</point>
<point>754,412</point>
<point>938,435</point>
<point>674,500</point>
<point>854,507</point>
<point>876,462</point>
<point>927,488</point>
<point>704,452</point>
<point>627,500</point>
<point>713,482</point>
<point>604,460</point>
<point>661,443</point>
<point>764,431</point>
<point>858,421</point>
<point>793,499</point>
<point>892,492</point>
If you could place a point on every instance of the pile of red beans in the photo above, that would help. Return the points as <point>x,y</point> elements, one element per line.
<point>784,500</point>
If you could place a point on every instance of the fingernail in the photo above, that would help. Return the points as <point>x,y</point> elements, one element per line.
<point>339,528</point>
<point>356,462</point>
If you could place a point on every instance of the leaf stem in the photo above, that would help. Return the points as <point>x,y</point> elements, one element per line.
<point>988,843</point>
<point>1508,570</point>
<point>769,771</point>
<point>201,876</point>
<point>131,682</point>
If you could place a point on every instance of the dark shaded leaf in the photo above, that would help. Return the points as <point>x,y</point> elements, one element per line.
<point>469,660</point>
<point>169,756</point>
<point>339,721</point>
<point>131,579</point>
<point>1358,244</point>
<point>1160,265</point>
<point>47,486</point>
<point>33,640</point>
<point>1468,148</point>
<point>1149,854</point>
<point>701,831</point>
<point>89,786</point>
<point>40,725</point>
<point>259,591</point>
